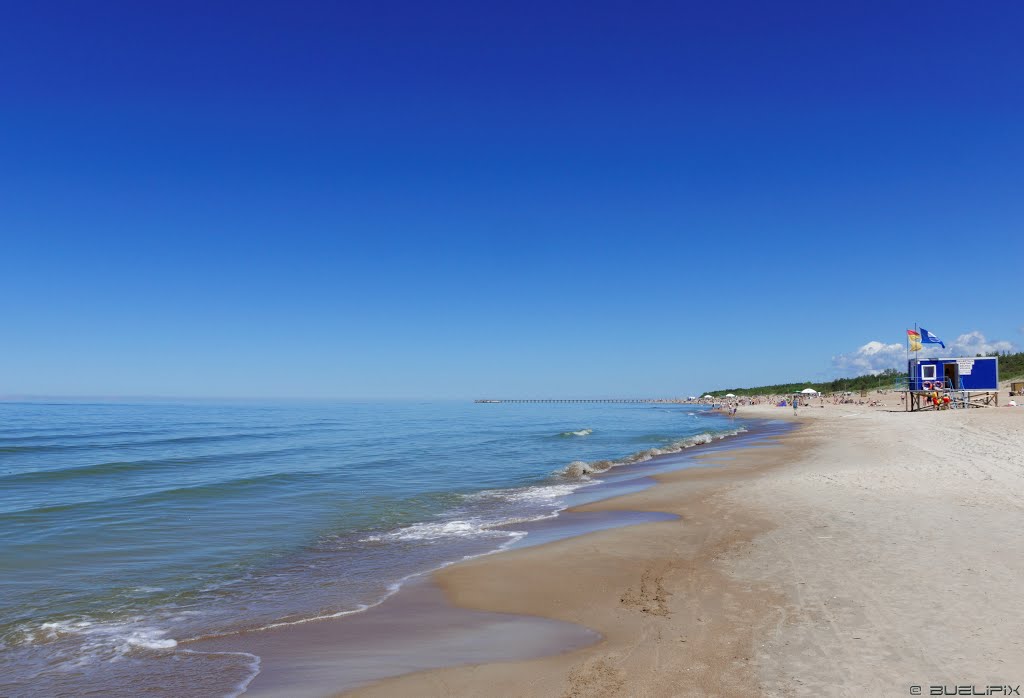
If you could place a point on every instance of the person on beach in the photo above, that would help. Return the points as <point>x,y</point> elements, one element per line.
<point>796,403</point>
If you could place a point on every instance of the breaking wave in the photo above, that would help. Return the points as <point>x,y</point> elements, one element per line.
<point>443,529</point>
<point>537,494</point>
<point>494,510</point>
<point>580,468</point>
<point>95,639</point>
<point>581,432</point>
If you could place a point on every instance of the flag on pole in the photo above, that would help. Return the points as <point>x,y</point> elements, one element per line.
<point>913,336</point>
<point>929,338</point>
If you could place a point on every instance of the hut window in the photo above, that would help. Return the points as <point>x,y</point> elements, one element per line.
<point>928,372</point>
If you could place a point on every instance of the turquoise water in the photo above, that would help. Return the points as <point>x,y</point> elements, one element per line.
<point>127,529</point>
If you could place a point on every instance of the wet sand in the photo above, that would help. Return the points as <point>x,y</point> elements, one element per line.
<point>868,551</point>
<point>653,592</point>
<point>420,627</point>
<point>417,629</point>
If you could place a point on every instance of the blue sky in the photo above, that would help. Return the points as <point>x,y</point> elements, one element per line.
<point>480,199</point>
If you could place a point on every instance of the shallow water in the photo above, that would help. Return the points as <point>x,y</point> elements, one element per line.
<point>126,529</point>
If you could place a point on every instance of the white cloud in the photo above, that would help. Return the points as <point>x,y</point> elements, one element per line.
<point>974,343</point>
<point>875,357</point>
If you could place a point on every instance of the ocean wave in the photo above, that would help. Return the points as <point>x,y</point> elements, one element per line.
<point>581,469</point>
<point>469,528</point>
<point>253,667</point>
<point>146,466</point>
<point>254,670</point>
<point>109,443</point>
<point>146,590</point>
<point>80,646</point>
<point>540,494</point>
<point>95,639</point>
<point>391,590</point>
<point>199,491</point>
<point>20,436</point>
<point>540,502</point>
<point>581,432</point>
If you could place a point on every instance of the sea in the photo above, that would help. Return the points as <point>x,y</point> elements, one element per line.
<point>129,530</point>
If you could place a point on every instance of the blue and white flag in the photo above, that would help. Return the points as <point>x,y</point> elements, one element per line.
<point>928,338</point>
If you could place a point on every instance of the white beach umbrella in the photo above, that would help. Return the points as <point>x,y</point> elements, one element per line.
<point>708,397</point>
<point>729,395</point>
<point>809,391</point>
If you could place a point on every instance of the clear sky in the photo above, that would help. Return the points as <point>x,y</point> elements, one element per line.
<point>437,199</point>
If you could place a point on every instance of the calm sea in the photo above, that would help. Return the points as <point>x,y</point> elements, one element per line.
<point>126,529</point>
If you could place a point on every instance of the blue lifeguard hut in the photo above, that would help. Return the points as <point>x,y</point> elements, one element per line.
<point>968,381</point>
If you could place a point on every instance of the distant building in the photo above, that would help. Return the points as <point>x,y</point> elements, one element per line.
<point>962,382</point>
<point>980,373</point>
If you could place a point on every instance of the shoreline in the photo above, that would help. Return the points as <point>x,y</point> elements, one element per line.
<point>327,654</point>
<point>859,553</point>
<point>618,587</point>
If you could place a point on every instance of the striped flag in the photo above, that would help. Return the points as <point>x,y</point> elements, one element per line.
<point>914,340</point>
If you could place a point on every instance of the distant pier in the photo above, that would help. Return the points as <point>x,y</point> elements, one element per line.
<point>663,401</point>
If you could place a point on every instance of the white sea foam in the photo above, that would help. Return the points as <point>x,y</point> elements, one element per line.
<point>581,469</point>
<point>469,528</point>
<point>540,494</point>
<point>581,432</point>
<point>549,497</point>
<point>151,640</point>
<point>391,589</point>
<point>100,640</point>
<point>545,493</point>
<point>254,668</point>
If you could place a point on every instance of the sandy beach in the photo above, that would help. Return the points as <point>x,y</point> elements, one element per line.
<point>437,349</point>
<point>867,552</point>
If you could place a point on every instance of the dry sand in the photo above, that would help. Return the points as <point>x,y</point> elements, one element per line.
<point>868,552</point>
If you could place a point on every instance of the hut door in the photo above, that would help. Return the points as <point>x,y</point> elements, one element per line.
<point>952,375</point>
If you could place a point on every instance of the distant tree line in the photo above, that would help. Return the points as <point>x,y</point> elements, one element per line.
<point>1011,365</point>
